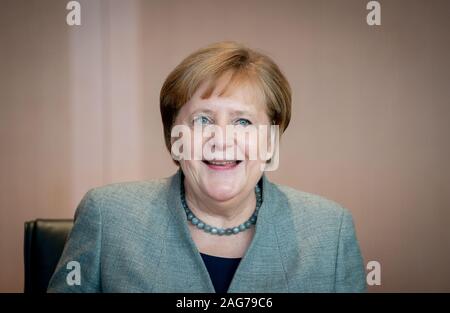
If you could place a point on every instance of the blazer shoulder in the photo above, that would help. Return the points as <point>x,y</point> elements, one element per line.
<point>321,233</point>
<point>131,189</point>
<point>312,208</point>
<point>133,197</point>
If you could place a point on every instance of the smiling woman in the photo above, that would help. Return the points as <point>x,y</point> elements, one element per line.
<point>218,224</point>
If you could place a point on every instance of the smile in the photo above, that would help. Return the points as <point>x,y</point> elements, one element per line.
<point>222,165</point>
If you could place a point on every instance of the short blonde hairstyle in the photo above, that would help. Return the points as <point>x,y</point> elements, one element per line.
<point>210,64</point>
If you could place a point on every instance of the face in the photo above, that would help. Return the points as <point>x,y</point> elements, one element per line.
<point>217,176</point>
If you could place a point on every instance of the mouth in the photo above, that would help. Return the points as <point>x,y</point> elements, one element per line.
<point>222,165</point>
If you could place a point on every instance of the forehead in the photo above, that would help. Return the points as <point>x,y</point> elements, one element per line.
<point>227,94</point>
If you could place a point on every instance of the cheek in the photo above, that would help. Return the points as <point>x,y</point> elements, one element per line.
<point>253,171</point>
<point>193,145</point>
<point>191,168</point>
<point>197,143</point>
<point>254,146</point>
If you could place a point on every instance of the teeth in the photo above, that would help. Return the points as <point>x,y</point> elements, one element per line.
<point>221,162</point>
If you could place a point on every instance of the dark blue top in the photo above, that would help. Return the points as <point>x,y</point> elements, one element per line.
<point>221,270</point>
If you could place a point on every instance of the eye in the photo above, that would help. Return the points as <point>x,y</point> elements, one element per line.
<point>243,122</point>
<point>201,120</point>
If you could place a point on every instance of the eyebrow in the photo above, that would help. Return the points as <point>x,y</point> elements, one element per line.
<point>202,111</point>
<point>242,112</point>
<point>233,113</point>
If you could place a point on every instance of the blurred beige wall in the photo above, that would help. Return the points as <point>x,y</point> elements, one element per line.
<point>371,115</point>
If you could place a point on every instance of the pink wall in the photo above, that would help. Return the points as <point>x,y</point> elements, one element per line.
<point>79,108</point>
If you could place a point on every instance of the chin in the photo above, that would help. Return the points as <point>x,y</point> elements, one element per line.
<point>221,193</point>
<point>221,181</point>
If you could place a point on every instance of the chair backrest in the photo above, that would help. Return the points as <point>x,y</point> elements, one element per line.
<point>43,246</point>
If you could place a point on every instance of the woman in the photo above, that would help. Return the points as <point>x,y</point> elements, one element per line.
<point>218,224</point>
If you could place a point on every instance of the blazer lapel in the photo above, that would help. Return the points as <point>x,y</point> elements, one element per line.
<point>184,256</point>
<point>261,269</point>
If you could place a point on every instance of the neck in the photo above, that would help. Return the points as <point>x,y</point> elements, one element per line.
<point>222,214</point>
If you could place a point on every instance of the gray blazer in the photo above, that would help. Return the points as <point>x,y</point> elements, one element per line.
<point>134,237</point>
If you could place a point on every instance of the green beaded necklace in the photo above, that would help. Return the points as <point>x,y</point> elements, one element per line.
<point>216,230</point>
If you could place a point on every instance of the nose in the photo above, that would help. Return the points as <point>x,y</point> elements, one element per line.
<point>222,140</point>
<point>221,143</point>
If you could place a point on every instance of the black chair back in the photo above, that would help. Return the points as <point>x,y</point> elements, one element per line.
<point>43,246</point>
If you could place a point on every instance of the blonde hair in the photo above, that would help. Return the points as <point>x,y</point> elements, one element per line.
<point>210,64</point>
